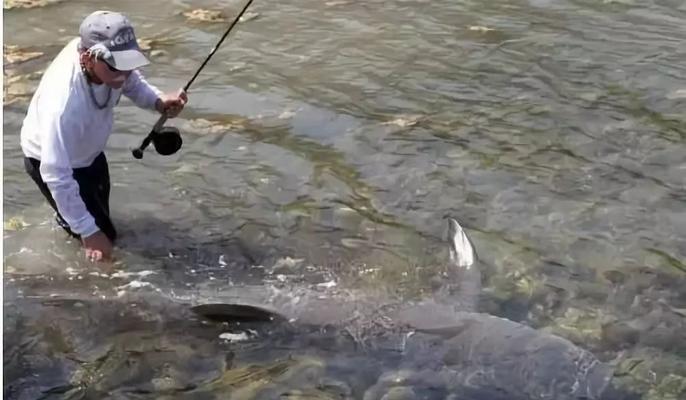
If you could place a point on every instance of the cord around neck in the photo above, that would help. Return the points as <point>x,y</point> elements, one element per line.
<point>89,80</point>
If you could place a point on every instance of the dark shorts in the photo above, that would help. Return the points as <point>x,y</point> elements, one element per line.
<point>94,188</point>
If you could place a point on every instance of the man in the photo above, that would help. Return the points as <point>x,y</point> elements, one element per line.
<point>70,119</point>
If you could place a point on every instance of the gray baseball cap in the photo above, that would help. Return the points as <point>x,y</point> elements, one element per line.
<point>110,36</point>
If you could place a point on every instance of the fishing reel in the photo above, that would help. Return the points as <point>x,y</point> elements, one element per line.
<point>166,139</point>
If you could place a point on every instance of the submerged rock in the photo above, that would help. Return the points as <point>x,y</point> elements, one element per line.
<point>10,4</point>
<point>14,54</point>
<point>205,127</point>
<point>405,121</point>
<point>296,377</point>
<point>671,387</point>
<point>20,88</point>
<point>152,43</point>
<point>578,325</point>
<point>202,15</point>
<point>406,384</point>
<point>15,224</point>
<point>480,28</point>
<point>619,335</point>
<point>335,3</point>
<point>657,375</point>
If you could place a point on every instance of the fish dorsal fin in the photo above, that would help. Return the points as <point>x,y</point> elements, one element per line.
<point>462,252</point>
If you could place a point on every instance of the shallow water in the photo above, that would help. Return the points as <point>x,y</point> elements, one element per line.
<point>341,133</point>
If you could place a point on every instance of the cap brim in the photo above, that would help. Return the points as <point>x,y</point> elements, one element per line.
<point>128,60</point>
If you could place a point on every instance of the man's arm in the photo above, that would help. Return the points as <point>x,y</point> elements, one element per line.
<point>56,170</point>
<point>60,129</point>
<point>142,93</point>
<point>145,95</point>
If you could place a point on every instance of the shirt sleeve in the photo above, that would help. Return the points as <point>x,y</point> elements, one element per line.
<point>142,93</point>
<point>59,128</point>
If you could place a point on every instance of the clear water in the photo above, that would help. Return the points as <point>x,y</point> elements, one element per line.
<point>341,133</point>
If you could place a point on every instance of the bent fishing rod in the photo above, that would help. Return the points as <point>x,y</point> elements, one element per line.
<point>138,152</point>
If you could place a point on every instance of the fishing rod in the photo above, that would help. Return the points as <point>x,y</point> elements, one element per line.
<point>172,138</point>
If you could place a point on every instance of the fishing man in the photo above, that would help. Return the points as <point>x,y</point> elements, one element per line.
<point>70,118</point>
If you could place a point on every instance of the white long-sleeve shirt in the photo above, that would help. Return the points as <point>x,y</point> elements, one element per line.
<point>64,129</point>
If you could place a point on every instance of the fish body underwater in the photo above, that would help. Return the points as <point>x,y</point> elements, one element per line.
<point>439,347</point>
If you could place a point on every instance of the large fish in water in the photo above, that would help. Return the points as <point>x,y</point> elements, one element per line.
<point>441,342</point>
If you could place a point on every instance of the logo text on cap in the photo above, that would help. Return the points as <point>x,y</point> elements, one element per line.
<point>123,37</point>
